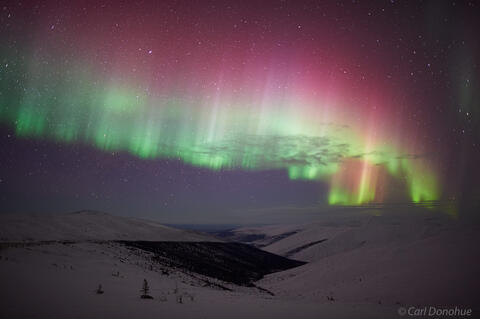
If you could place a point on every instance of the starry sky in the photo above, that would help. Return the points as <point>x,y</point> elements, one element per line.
<point>232,111</point>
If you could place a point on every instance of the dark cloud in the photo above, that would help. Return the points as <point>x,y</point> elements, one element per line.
<point>278,151</point>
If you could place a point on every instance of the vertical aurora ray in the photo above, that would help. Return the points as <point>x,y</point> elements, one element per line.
<point>219,114</point>
<point>228,134</point>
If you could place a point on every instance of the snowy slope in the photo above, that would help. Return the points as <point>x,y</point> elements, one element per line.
<point>89,225</point>
<point>59,281</point>
<point>360,266</point>
<point>394,259</point>
<point>314,241</point>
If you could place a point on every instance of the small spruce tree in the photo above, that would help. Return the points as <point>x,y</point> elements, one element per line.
<point>145,287</point>
<point>145,290</point>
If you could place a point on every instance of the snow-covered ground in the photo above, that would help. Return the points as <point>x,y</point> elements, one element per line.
<point>59,281</point>
<point>360,266</point>
<point>395,259</point>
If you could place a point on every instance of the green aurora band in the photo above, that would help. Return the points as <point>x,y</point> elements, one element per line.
<point>217,131</point>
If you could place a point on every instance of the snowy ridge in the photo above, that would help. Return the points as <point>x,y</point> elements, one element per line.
<point>89,225</point>
<point>394,259</point>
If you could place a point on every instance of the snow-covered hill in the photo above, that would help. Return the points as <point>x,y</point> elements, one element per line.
<point>58,280</point>
<point>424,258</point>
<point>359,266</point>
<point>89,225</point>
<point>56,272</point>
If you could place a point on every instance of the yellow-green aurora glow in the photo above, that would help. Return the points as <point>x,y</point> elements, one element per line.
<point>348,146</point>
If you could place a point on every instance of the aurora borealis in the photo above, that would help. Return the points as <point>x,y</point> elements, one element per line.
<point>366,99</point>
<point>310,141</point>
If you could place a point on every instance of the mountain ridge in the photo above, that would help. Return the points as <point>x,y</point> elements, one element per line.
<point>87,225</point>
